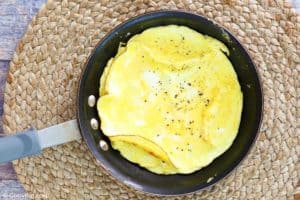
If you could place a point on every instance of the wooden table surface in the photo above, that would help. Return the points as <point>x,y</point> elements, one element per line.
<point>14,17</point>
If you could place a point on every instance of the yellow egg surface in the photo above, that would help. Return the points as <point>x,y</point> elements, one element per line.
<point>170,100</point>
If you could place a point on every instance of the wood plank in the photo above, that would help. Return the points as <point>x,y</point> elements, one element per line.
<point>7,172</point>
<point>11,189</point>
<point>4,65</point>
<point>3,71</point>
<point>296,4</point>
<point>14,17</point>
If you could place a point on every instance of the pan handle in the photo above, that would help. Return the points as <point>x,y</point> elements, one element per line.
<point>31,142</point>
<point>19,145</point>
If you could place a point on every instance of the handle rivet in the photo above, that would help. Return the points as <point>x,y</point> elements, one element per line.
<point>94,124</point>
<point>92,101</point>
<point>103,145</point>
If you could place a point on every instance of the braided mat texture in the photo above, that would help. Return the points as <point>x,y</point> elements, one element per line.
<point>42,85</point>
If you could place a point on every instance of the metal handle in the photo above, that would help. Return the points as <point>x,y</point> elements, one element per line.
<point>31,142</point>
<point>19,145</point>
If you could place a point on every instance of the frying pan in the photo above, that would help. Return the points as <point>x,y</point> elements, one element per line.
<point>31,142</point>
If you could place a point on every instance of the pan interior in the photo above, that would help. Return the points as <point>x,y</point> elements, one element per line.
<point>135,176</point>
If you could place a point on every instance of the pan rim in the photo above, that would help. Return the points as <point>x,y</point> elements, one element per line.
<point>237,162</point>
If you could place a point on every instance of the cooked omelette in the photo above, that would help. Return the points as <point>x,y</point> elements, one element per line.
<point>170,100</point>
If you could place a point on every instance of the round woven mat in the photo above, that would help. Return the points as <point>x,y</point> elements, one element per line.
<point>42,85</point>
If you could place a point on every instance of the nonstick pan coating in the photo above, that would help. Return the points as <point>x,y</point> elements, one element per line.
<point>135,176</point>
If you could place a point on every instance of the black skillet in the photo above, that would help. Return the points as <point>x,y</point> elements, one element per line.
<point>30,143</point>
<point>136,176</point>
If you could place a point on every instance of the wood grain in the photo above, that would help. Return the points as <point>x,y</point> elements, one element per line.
<point>6,172</point>
<point>3,71</point>
<point>14,17</point>
<point>10,189</point>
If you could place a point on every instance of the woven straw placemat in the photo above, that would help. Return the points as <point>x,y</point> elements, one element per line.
<point>42,85</point>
